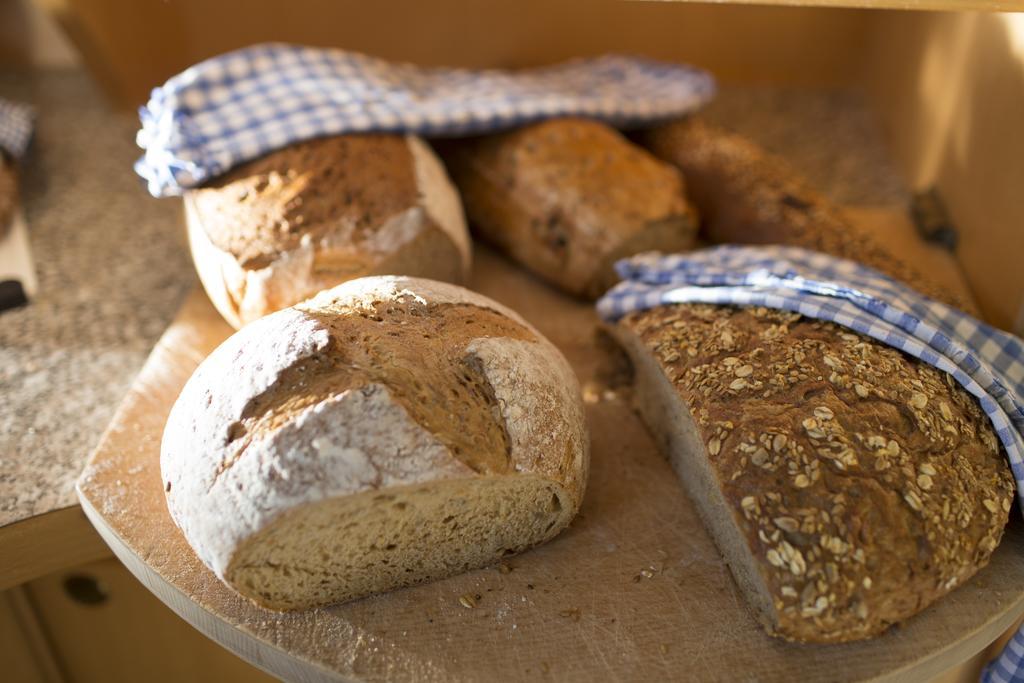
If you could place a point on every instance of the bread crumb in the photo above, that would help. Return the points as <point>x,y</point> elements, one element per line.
<point>571,613</point>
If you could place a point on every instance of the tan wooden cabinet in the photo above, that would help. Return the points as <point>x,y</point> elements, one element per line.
<point>96,622</point>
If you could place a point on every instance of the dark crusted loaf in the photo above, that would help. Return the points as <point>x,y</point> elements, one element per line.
<point>847,484</point>
<point>748,196</point>
<point>568,197</point>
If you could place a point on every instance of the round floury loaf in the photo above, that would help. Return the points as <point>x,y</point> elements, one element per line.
<point>389,431</point>
<point>277,230</point>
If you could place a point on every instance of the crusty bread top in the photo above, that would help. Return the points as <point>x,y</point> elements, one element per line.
<point>418,352</point>
<point>596,177</point>
<point>346,185</point>
<point>563,195</point>
<point>866,482</point>
<point>8,192</point>
<point>748,196</point>
<point>379,382</point>
<point>526,382</point>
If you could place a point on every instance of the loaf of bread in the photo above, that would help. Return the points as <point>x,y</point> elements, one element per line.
<point>277,230</point>
<point>847,485</point>
<point>8,193</point>
<point>748,196</point>
<point>567,198</point>
<point>387,432</point>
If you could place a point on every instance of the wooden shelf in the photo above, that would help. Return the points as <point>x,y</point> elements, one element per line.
<point>575,608</point>
<point>47,543</point>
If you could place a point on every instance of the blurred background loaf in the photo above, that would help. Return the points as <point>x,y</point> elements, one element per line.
<point>566,198</point>
<point>746,195</point>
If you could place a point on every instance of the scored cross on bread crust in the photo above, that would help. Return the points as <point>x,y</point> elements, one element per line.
<point>386,432</point>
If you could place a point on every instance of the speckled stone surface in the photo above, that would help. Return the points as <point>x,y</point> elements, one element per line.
<point>112,269</point>
<point>113,265</point>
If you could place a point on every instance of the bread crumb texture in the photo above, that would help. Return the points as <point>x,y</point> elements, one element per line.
<point>305,458</point>
<point>866,483</point>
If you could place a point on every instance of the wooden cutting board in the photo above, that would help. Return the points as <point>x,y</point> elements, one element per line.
<point>634,589</point>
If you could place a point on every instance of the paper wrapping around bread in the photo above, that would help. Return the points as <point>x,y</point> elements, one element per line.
<point>388,431</point>
<point>277,230</point>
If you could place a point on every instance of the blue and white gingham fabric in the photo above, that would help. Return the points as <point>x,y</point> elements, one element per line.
<point>986,362</point>
<point>15,127</point>
<point>1008,667</point>
<point>238,106</point>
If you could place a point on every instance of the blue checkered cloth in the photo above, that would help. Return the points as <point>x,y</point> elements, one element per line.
<point>985,361</point>
<point>1008,667</point>
<point>238,106</point>
<point>16,121</point>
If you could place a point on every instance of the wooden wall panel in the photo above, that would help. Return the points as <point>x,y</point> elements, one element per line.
<point>25,655</point>
<point>945,5</point>
<point>45,543</point>
<point>29,37</point>
<point>950,89</point>
<point>128,636</point>
<point>136,44</point>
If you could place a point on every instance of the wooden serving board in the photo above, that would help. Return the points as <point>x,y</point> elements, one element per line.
<point>634,589</point>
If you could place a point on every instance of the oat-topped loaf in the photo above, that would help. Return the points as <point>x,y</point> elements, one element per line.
<point>847,484</point>
<point>8,193</point>
<point>387,432</point>
<point>278,230</point>
<point>568,197</point>
<point>747,196</point>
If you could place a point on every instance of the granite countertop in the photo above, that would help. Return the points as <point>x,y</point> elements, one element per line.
<point>113,266</point>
